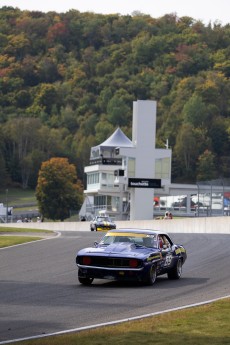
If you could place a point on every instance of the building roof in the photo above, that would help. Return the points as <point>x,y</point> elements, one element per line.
<point>117,139</point>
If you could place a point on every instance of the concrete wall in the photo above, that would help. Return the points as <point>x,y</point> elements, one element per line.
<point>219,225</point>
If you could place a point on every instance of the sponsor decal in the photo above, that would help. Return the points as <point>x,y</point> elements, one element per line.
<point>180,250</point>
<point>153,257</point>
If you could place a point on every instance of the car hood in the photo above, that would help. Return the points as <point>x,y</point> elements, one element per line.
<point>120,249</point>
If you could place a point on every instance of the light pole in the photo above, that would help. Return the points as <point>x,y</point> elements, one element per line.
<point>6,205</point>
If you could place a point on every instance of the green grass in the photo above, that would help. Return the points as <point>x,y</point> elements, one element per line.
<point>17,196</point>
<point>24,200</point>
<point>6,241</point>
<point>208,324</point>
<point>6,229</point>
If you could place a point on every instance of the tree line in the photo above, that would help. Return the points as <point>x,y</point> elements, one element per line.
<point>68,80</point>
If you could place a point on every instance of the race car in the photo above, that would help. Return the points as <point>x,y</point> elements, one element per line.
<point>102,223</point>
<point>131,255</point>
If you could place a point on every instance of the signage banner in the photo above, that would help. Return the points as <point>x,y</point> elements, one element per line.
<point>106,161</point>
<point>144,183</point>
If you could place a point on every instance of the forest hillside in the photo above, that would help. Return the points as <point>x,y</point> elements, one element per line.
<point>68,80</point>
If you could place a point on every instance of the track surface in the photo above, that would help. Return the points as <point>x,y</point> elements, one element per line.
<point>40,293</point>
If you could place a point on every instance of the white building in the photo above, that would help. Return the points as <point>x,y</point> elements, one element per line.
<point>119,159</point>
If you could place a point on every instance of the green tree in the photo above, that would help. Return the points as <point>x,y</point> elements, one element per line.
<point>58,190</point>
<point>18,45</point>
<point>2,161</point>
<point>195,111</point>
<point>186,149</point>
<point>81,149</point>
<point>22,136</point>
<point>103,130</point>
<point>192,58</point>
<point>46,97</point>
<point>118,110</point>
<point>206,166</point>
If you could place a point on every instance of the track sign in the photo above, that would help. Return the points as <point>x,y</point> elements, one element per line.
<point>144,183</point>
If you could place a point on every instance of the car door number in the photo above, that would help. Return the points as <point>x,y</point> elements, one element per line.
<point>168,260</point>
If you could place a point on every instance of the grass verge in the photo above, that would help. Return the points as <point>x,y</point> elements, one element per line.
<point>11,240</point>
<point>8,229</point>
<point>7,241</point>
<point>207,324</point>
<point>17,196</point>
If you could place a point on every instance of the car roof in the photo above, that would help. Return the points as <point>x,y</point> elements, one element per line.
<point>139,231</point>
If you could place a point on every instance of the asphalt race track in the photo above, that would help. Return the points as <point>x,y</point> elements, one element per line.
<point>40,293</point>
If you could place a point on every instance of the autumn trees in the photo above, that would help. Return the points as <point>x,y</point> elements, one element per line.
<point>67,80</point>
<point>27,143</point>
<point>58,190</point>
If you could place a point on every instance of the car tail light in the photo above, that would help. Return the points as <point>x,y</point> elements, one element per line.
<point>133,263</point>
<point>86,260</point>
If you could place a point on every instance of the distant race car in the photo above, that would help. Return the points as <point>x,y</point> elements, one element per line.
<point>131,255</point>
<point>102,223</point>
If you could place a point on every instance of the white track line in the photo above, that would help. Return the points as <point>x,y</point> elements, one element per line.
<point>113,322</point>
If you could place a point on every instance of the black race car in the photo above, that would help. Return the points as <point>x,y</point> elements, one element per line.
<point>131,255</point>
<point>102,223</point>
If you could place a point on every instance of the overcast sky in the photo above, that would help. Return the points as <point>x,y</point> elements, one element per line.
<point>204,10</point>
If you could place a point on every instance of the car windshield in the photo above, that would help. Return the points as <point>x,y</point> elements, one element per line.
<point>140,240</point>
<point>103,219</point>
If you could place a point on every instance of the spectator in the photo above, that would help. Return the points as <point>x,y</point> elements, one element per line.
<point>166,215</point>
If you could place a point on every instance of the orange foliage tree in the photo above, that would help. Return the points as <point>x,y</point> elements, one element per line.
<point>58,191</point>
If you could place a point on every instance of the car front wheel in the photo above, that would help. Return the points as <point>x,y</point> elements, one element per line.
<point>151,276</point>
<point>175,272</point>
<point>85,281</point>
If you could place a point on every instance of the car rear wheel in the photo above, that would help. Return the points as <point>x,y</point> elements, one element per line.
<point>176,272</point>
<point>152,275</point>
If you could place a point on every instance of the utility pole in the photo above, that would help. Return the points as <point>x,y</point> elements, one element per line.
<point>6,205</point>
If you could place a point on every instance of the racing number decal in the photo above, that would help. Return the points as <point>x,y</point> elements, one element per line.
<point>168,260</point>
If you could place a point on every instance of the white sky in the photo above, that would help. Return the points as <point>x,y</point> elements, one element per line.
<point>204,10</point>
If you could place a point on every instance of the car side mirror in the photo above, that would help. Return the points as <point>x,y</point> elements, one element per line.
<point>96,244</point>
